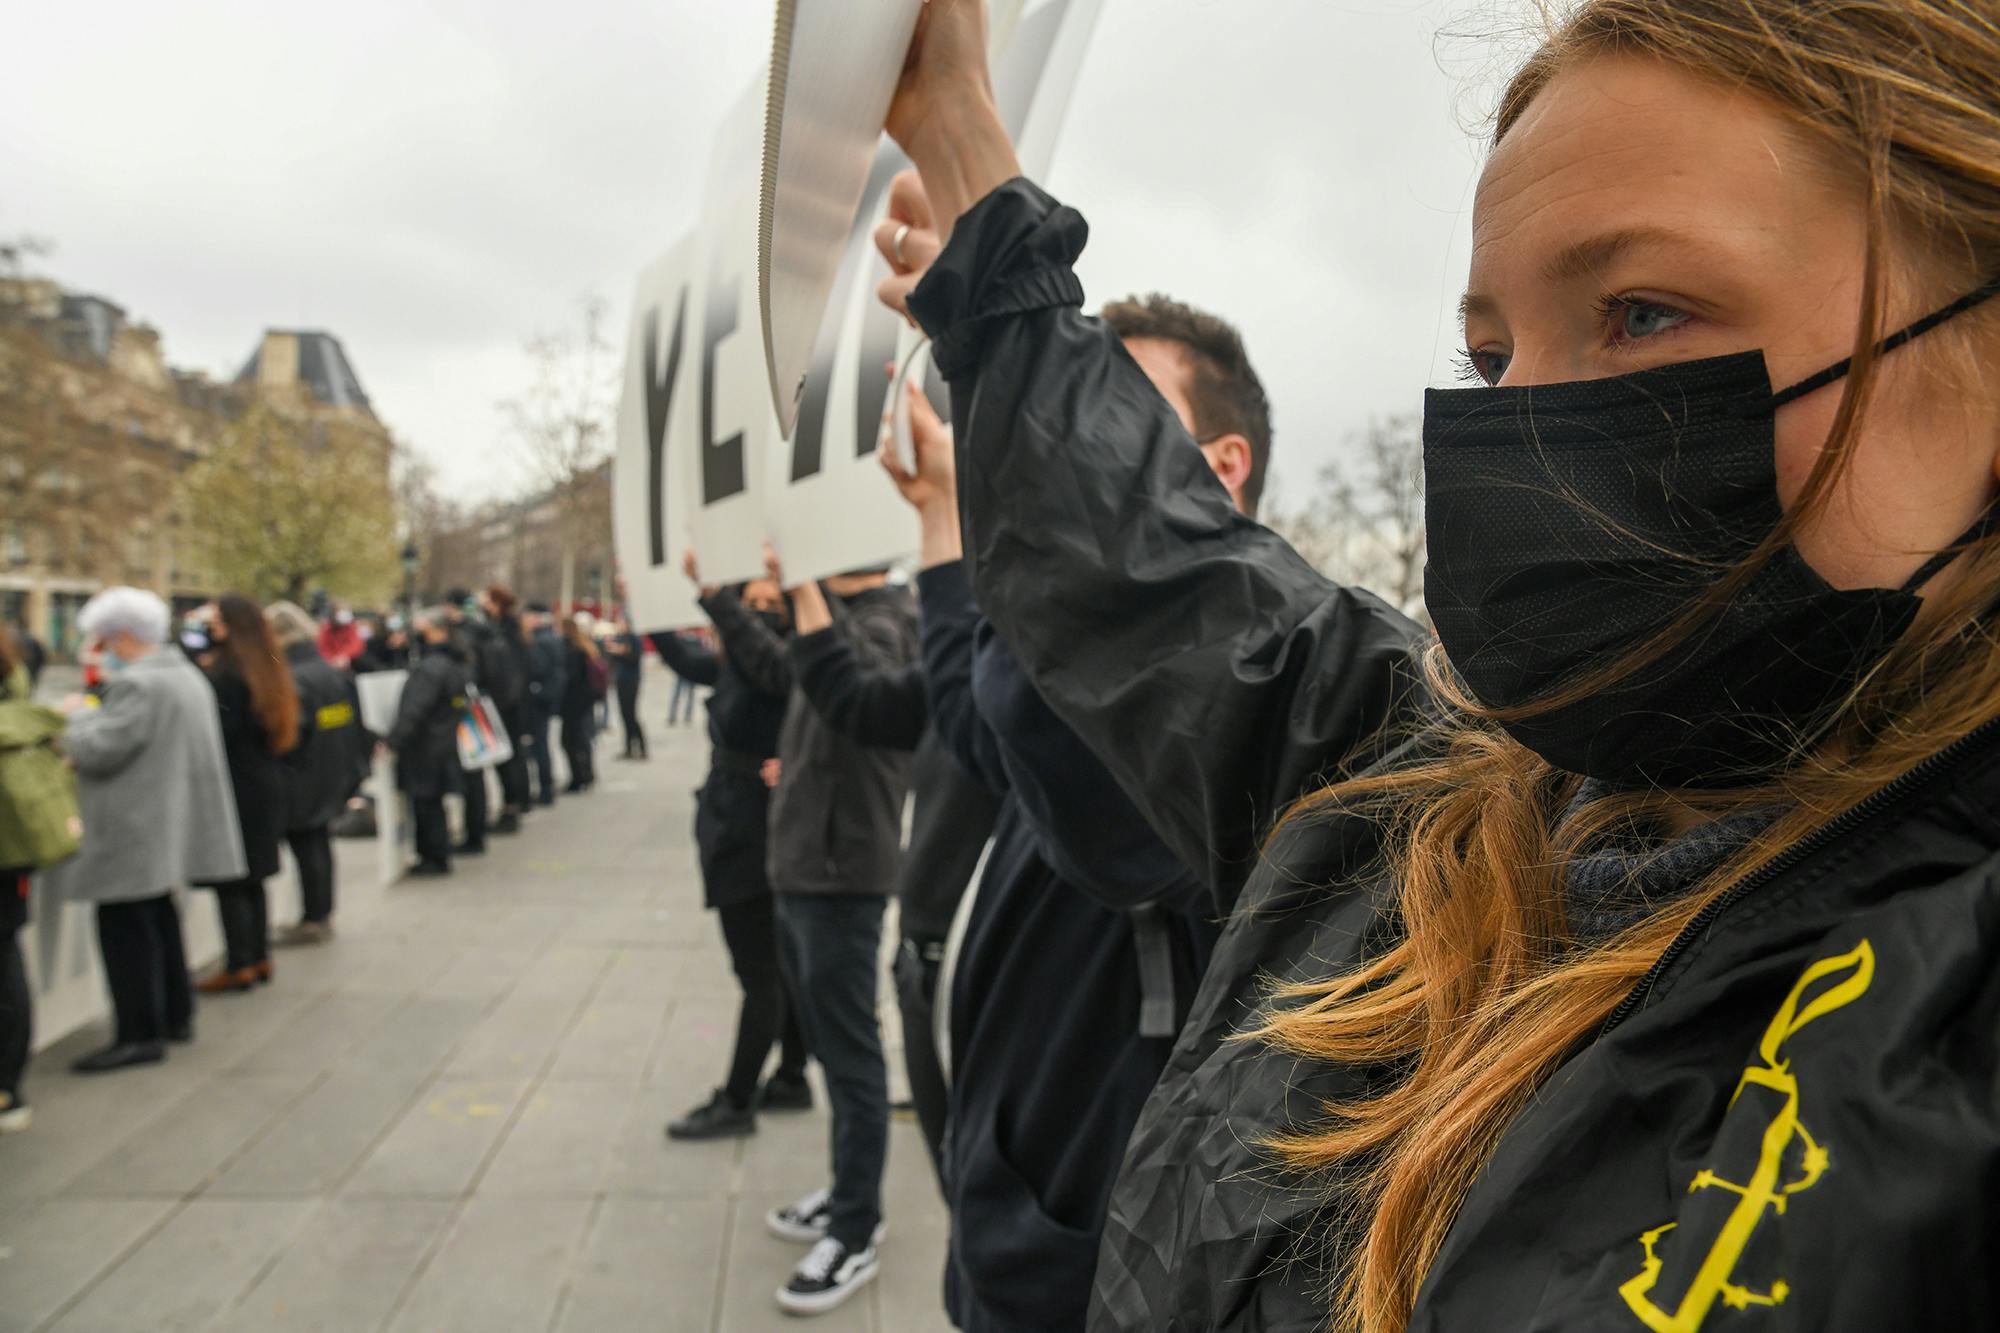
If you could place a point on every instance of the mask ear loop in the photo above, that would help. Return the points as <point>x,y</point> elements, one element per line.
<point>1838,370</point>
<point>1980,528</point>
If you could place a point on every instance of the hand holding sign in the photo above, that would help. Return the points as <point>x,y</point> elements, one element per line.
<point>908,239</point>
<point>931,486</point>
<point>944,114</point>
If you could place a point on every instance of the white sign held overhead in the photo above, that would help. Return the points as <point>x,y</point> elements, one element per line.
<point>701,458</point>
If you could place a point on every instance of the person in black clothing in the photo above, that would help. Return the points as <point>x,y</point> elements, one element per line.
<point>547,679</point>
<point>424,737</point>
<point>510,694</point>
<point>952,819</point>
<point>491,668</point>
<point>627,652</point>
<point>835,855</point>
<point>1086,938</point>
<point>731,813</point>
<point>32,654</point>
<point>387,647</point>
<point>260,724</point>
<point>582,671</point>
<point>322,771</point>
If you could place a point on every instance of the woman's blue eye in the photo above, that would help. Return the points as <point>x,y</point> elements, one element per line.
<point>1631,320</point>
<point>1484,367</point>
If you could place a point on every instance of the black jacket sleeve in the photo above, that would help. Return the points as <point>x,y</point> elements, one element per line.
<point>689,660</point>
<point>883,707</point>
<point>950,625</point>
<point>758,655</point>
<point>423,690</point>
<point>1216,673</point>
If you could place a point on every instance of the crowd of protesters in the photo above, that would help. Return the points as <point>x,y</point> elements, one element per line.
<point>198,751</point>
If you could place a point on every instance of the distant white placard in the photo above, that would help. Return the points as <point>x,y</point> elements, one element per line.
<point>701,461</point>
<point>380,693</point>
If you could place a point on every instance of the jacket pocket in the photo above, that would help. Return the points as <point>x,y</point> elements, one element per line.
<point>1022,1263</point>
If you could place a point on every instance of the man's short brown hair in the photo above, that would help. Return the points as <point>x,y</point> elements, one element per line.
<point>1223,388</point>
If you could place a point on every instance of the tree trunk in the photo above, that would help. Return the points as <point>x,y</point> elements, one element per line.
<point>568,602</point>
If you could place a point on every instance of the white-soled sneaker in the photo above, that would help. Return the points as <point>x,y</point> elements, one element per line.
<point>803,1222</point>
<point>14,1116</point>
<point>826,1277</point>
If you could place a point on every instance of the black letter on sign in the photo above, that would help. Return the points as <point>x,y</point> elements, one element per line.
<point>659,401</point>
<point>721,461</point>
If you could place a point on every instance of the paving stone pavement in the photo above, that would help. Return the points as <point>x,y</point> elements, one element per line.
<point>449,1118</point>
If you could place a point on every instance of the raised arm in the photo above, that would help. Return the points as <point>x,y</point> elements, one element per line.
<point>1215,673</point>
<point>754,650</point>
<point>879,706</point>
<point>950,627</point>
<point>687,659</point>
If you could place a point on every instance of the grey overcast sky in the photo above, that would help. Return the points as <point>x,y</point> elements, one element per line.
<point>434,180</point>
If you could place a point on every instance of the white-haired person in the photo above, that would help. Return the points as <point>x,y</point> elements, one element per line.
<point>158,811</point>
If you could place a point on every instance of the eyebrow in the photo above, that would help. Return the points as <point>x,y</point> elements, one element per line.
<point>1580,259</point>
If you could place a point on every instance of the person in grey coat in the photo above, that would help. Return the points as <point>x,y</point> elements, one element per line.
<point>158,811</point>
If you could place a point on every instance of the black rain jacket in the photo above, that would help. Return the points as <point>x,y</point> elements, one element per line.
<point>732,809</point>
<point>837,816</point>
<point>1078,962</point>
<point>331,759</point>
<point>951,812</point>
<point>1792,1124</point>
<point>425,733</point>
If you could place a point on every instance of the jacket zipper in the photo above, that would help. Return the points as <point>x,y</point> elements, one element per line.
<point>1843,823</point>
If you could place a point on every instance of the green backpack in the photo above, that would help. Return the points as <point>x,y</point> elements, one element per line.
<point>39,820</point>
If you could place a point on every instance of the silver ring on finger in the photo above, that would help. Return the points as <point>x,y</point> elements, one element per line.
<point>896,246</point>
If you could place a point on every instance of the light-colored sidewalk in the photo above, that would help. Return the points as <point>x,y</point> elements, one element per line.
<point>450,1118</point>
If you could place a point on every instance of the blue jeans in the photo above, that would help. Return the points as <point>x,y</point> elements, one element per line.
<point>830,946</point>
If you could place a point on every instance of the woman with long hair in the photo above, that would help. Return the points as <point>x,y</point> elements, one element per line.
<point>260,723</point>
<point>16,1000</point>
<point>1630,962</point>
<point>584,675</point>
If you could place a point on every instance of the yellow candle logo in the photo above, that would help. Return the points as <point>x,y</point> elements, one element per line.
<point>1790,1161</point>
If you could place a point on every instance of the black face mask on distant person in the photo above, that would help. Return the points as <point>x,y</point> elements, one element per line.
<point>1572,523</point>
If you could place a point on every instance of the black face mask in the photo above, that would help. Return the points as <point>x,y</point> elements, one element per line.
<point>774,621</point>
<point>1571,523</point>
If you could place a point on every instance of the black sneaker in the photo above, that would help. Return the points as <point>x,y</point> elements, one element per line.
<point>785,1092</point>
<point>429,869</point>
<point>803,1222</point>
<point>716,1118</point>
<point>826,1277</point>
<point>469,849</point>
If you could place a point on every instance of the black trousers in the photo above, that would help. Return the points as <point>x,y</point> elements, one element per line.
<point>432,833</point>
<point>17,1011</point>
<point>514,773</point>
<point>539,753</point>
<point>578,747</point>
<point>474,787</point>
<point>628,712</point>
<point>313,851</point>
<point>917,965</point>
<point>145,968</point>
<point>750,931</point>
<point>246,923</point>
<point>831,946</point>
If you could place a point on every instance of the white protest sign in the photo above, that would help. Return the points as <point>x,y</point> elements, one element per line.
<point>700,459</point>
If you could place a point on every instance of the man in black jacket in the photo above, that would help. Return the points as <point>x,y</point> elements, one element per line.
<point>835,851</point>
<point>546,677</point>
<point>425,740</point>
<point>491,668</point>
<point>951,820</point>
<point>324,769</point>
<point>508,684</point>
<point>1087,938</point>
<point>730,826</point>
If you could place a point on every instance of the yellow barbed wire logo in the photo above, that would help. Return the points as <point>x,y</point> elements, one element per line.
<point>1845,977</point>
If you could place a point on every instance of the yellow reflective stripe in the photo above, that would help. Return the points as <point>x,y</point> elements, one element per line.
<point>334,716</point>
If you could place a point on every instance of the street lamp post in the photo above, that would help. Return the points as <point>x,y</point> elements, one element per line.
<point>409,581</point>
